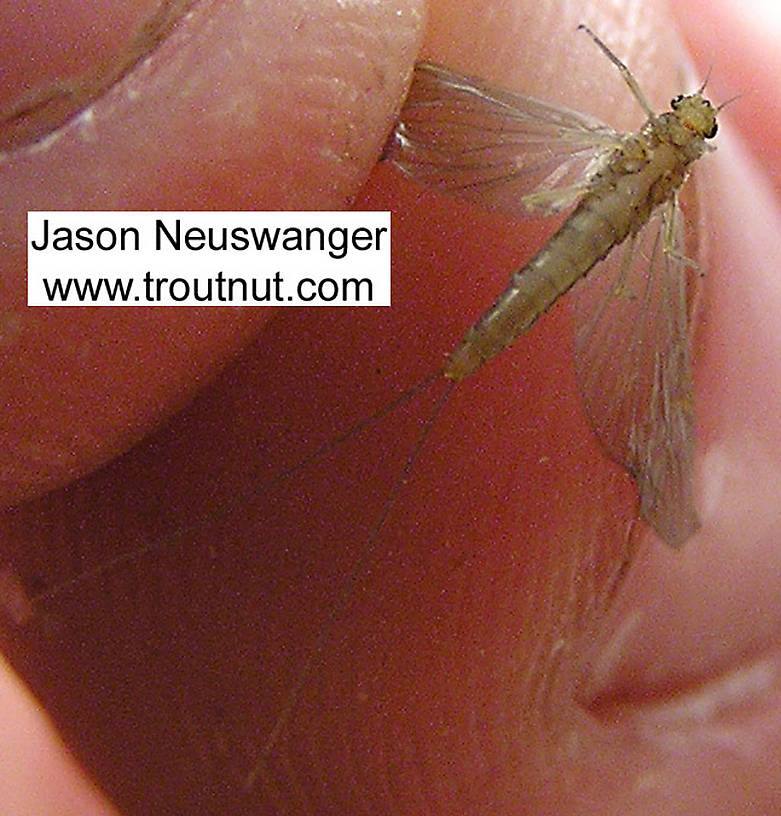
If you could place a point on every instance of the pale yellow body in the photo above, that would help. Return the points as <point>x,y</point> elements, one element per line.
<point>633,358</point>
<point>646,172</point>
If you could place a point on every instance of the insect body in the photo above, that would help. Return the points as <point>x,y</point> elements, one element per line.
<point>521,155</point>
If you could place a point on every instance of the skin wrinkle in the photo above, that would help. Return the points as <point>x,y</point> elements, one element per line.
<point>40,112</point>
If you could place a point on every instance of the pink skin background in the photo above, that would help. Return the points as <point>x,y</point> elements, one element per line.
<point>495,657</point>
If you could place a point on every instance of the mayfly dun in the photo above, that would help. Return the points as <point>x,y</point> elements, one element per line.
<point>623,244</point>
<point>624,239</point>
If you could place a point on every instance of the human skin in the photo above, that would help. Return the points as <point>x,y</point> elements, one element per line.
<point>171,137</point>
<point>468,670</point>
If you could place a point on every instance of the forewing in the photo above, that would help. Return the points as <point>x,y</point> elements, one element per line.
<point>633,361</point>
<point>498,149</point>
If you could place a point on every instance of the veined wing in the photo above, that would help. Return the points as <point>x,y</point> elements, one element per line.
<point>498,149</point>
<point>633,358</point>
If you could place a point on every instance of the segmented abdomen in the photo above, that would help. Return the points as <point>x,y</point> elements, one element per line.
<point>620,204</point>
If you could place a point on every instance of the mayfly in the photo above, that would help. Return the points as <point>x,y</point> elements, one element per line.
<point>625,238</point>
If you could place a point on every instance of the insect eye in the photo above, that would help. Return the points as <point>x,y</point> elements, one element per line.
<point>676,101</point>
<point>712,132</point>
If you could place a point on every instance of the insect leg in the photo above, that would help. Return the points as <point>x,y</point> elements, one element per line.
<point>625,72</point>
<point>670,236</point>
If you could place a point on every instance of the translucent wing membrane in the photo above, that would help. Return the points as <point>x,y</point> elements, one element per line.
<point>495,148</point>
<point>633,361</point>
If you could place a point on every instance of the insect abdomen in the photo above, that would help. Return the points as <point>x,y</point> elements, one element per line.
<point>602,220</point>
